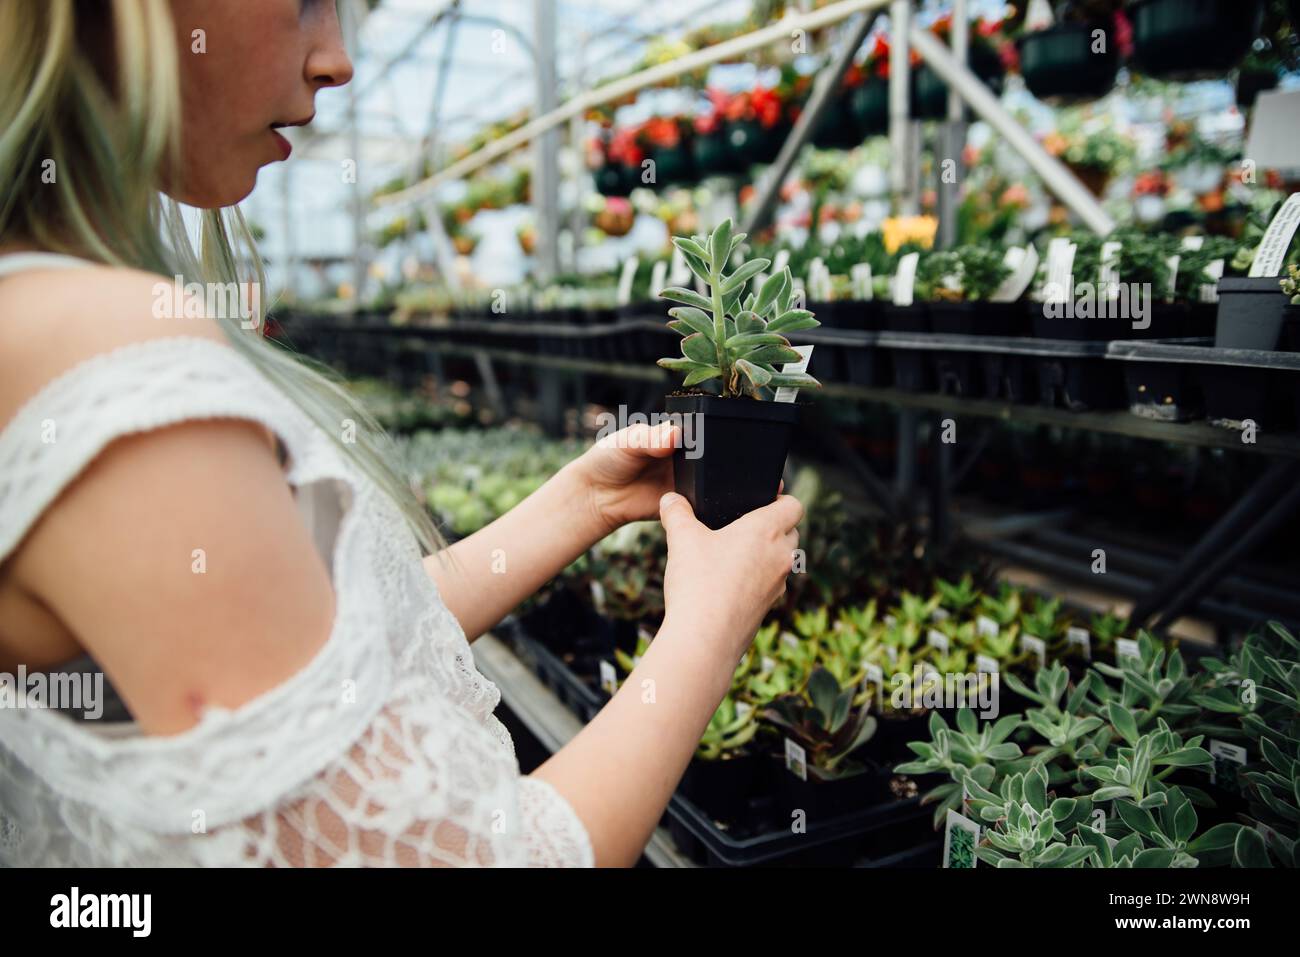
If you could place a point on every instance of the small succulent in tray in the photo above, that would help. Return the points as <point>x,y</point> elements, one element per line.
<point>825,721</point>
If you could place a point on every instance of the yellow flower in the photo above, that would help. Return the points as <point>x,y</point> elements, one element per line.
<point>903,229</point>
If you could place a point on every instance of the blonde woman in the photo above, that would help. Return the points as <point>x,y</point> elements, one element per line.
<point>179,509</point>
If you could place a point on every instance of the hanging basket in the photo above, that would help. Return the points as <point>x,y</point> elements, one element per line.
<point>1193,39</point>
<point>712,153</point>
<point>869,107</point>
<point>1094,178</point>
<point>838,130</point>
<point>751,142</point>
<point>930,94</point>
<point>1059,63</point>
<point>674,165</point>
<point>614,179</point>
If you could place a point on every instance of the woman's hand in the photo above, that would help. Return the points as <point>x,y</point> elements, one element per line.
<point>627,472</point>
<point>720,585</point>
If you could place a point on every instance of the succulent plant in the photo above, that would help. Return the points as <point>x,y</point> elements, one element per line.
<point>965,752</point>
<point>826,723</point>
<point>958,597</point>
<point>1031,827</point>
<point>728,335</point>
<point>729,730</point>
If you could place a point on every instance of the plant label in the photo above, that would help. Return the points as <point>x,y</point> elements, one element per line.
<point>785,393</point>
<point>678,272</point>
<point>1127,648</point>
<point>780,260</point>
<point>1080,636</point>
<point>1228,761</point>
<point>1039,15</point>
<point>861,278</point>
<point>1277,239</point>
<point>608,677</point>
<point>986,627</point>
<point>1036,647</point>
<point>1023,264</point>
<point>1210,291</point>
<point>986,664</point>
<point>598,597</point>
<point>1193,243</point>
<point>890,621</point>
<point>796,760</point>
<point>892,654</point>
<point>743,709</point>
<point>1059,286</point>
<point>768,664</point>
<point>937,640</point>
<point>625,281</point>
<point>905,279</point>
<point>658,276</point>
<point>790,641</point>
<point>939,614</point>
<point>961,836</point>
<point>1109,278</point>
<point>1172,262</point>
<point>875,676</point>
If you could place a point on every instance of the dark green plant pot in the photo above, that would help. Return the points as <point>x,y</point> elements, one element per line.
<point>712,153</point>
<point>1184,39</point>
<point>869,106</point>
<point>614,179</point>
<point>930,94</point>
<point>673,166</point>
<point>751,142</point>
<point>838,129</point>
<point>739,455</point>
<point>1251,83</point>
<point>1058,63</point>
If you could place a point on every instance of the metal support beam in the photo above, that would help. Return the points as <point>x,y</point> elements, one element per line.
<point>546,148</point>
<point>953,136</point>
<point>1279,481</point>
<point>904,152</point>
<point>1058,178</point>
<point>824,90</point>
<point>353,13</point>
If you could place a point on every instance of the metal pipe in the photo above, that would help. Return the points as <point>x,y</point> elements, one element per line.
<point>824,90</point>
<point>1055,174</point>
<point>578,105</point>
<point>953,136</point>
<point>900,106</point>
<point>546,167</point>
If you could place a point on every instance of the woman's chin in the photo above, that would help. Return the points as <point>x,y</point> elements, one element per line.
<point>230,191</point>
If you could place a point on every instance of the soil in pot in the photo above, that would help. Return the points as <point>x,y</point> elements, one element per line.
<point>1189,39</point>
<point>1059,62</point>
<point>739,454</point>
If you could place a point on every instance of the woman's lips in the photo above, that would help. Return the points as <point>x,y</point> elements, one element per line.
<point>283,144</point>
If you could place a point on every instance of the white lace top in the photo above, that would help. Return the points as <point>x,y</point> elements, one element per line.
<point>383,750</point>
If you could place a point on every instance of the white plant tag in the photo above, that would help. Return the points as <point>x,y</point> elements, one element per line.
<point>905,279</point>
<point>790,641</point>
<point>658,277</point>
<point>1023,263</point>
<point>861,279</point>
<point>1039,15</point>
<point>608,677</point>
<point>1109,278</point>
<point>1036,647</point>
<point>1080,636</point>
<point>937,640</point>
<point>598,597</point>
<point>890,621</point>
<point>787,393</point>
<point>986,627</point>
<point>986,664</point>
<point>1210,291</point>
<point>780,260</point>
<point>1223,751</point>
<point>1193,243</point>
<point>625,281</point>
<point>768,664</point>
<point>961,836</point>
<point>875,676</point>
<point>892,653</point>
<point>796,760</point>
<point>679,273</point>
<point>1127,648</point>
<point>1060,272</point>
<point>743,709</point>
<point>1172,262</point>
<point>939,614</point>
<point>1277,239</point>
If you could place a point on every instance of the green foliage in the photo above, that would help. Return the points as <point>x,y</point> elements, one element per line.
<point>730,729</point>
<point>731,336</point>
<point>826,722</point>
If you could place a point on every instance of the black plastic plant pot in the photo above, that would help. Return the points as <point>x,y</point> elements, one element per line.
<point>1059,62</point>
<point>912,369</point>
<point>830,798</point>
<point>613,179</point>
<point>1251,313</point>
<point>929,95</point>
<point>837,129</point>
<point>1185,39</point>
<point>1251,83</point>
<point>1236,394</point>
<point>712,153</point>
<point>673,165</point>
<point>869,107</point>
<point>864,365</point>
<point>752,142</point>
<point>1078,384</point>
<point>739,454</point>
<point>723,788</point>
<point>956,372</point>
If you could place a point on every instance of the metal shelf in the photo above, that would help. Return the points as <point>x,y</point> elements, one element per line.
<point>550,722</point>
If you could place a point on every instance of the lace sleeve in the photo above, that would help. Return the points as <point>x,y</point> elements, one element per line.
<point>382,751</point>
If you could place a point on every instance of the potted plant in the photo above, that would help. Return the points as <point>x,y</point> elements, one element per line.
<point>725,773</point>
<point>666,141</point>
<point>838,128</point>
<point>930,94</point>
<point>738,340</point>
<point>1192,39</point>
<point>756,125</point>
<point>869,101</point>
<point>960,285</point>
<point>826,723</point>
<point>1074,57</point>
<point>710,146</point>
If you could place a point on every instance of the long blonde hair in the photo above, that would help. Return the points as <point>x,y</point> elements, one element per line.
<point>109,150</point>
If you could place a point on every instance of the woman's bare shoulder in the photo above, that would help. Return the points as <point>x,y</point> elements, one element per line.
<point>52,319</point>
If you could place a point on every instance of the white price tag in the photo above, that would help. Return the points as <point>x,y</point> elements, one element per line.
<point>986,627</point>
<point>658,276</point>
<point>905,279</point>
<point>861,279</point>
<point>608,677</point>
<point>1193,243</point>
<point>1223,751</point>
<point>598,596</point>
<point>1277,239</point>
<point>1128,648</point>
<point>1080,637</point>
<point>743,708</point>
<point>786,393</point>
<point>939,614</point>
<point>780,260</point>
<point>937,640</point>
<point>1023,263</point>
<point>1036,647</point>
<point>1210,291</point>
<point>985,664</point>
<point>961,836</point>
<point>1110,268</point>
<point>625,281</point>
<point>678,272</point>
<point>790,641</point>
<point>796,760</point>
